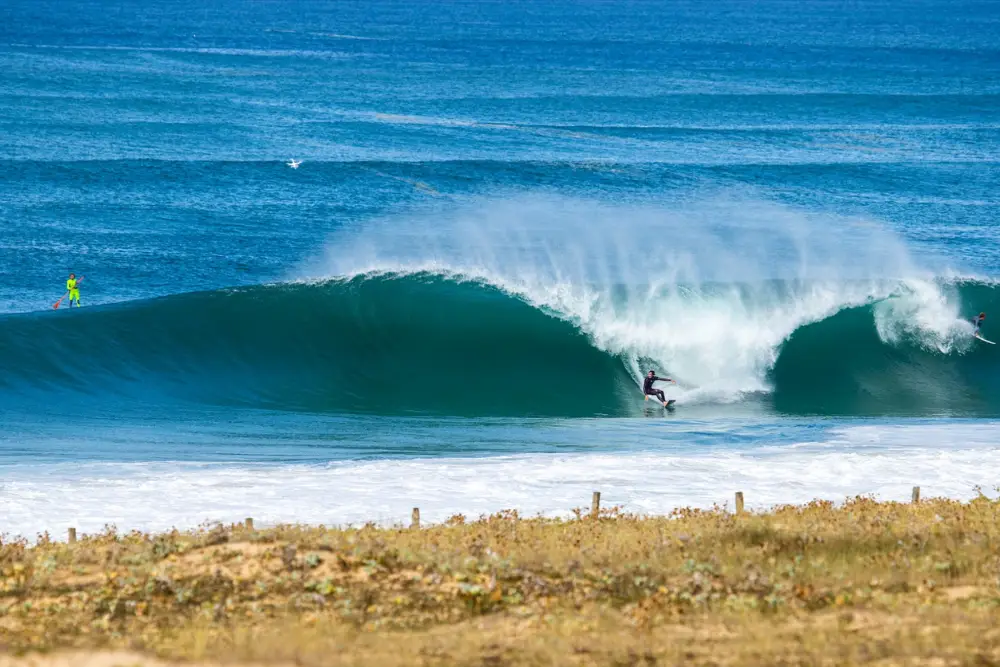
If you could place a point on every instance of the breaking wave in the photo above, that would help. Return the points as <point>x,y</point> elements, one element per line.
<point>430,344</point>
<point>544,307</point>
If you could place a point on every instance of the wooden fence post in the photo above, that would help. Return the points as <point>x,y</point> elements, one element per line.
<point>415,519</point>
<point>739,502</point>
<point>72,535</point>
<point>916,494</point>
<point>595,505</point>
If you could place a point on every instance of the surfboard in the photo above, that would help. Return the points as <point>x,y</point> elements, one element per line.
<point>670,402</point>
<point>983,339</point>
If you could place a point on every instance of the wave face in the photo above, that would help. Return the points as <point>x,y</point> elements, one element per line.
<point>434,344</point>
<point>389,345</point>
<point>887,359</point>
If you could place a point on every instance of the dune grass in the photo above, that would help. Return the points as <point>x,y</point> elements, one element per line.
<point>862,582</point>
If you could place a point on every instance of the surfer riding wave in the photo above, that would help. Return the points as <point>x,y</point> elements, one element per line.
<point>649,390</point>
<point>977,323</point>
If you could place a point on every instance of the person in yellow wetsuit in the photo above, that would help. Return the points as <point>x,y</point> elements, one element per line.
<point>73,287</point>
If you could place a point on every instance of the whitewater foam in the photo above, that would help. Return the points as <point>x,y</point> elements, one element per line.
<point>945,459</point>
<point>926,314</point>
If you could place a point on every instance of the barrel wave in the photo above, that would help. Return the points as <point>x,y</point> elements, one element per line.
<point>844,366</point>
<point>429,344</point>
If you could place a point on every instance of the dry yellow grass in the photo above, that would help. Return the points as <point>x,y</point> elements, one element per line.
<point>866,582</point>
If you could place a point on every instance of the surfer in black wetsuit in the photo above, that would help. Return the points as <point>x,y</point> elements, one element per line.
<point>648,390</point>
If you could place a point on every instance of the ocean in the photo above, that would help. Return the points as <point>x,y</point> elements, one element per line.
<point>504,214</point>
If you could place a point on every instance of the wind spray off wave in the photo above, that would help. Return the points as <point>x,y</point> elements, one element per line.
<point>709,292</point>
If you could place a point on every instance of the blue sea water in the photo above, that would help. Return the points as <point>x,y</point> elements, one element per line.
<point>504,214</point>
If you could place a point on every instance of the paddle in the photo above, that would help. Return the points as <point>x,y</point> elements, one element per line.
<point>58,303</point>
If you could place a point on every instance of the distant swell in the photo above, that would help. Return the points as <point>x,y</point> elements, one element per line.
<point>431,345</point>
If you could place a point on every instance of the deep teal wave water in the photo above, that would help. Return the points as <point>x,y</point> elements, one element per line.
<point>423,345</point>
<point>504,214</point>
